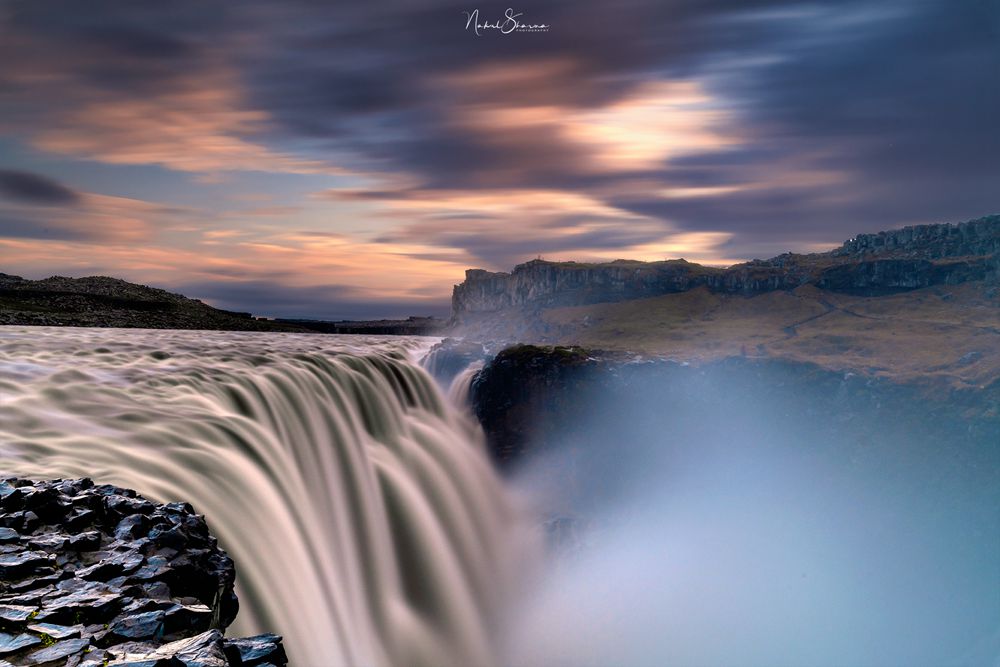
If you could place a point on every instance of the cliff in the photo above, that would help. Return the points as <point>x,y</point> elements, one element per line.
<point>915,305</point>
<point>869,264</point>
<point>975,237</point>
<point>532,399</point>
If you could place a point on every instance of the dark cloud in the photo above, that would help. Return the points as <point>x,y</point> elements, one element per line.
<point>22,186</point>
<point>849,116</point>
<point>500,246</point>
<point>25,227</point>
<point>897,99</point>
<point>895,103</point>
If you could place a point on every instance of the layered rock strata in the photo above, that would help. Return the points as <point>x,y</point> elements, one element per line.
<point>869,264</point>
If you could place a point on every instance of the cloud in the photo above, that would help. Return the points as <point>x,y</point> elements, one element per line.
<point>31,188</point>
<point>657,123</point>
<point>273,299</point>
<point>499,228</point>
<point>79,216</point>
<point>716,130</point>
<point>14,226</point>
<point>320,275</point>
<point>199,126</point>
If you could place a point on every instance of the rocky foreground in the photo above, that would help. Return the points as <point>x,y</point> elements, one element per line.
<point>94,576</point>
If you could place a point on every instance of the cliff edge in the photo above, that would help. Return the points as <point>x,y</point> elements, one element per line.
<point>867,265</point>
<point>915,304</point>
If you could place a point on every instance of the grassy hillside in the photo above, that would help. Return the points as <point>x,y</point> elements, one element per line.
<point>99,301</point>
<point>945,333</point>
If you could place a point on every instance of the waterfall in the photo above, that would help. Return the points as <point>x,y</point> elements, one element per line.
<point>358,503</point>
<point>461,387</point>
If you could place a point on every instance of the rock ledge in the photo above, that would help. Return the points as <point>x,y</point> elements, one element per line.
<point>97,575</point>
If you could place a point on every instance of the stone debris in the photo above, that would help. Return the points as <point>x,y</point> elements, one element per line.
<point>95,575</point>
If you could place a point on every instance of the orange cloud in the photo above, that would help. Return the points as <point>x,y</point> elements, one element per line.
<point>97,218</point>
<point>701,247</point>
<point>657,122</point>
<point>513,225</point>
<point>447,231</point>
<point>654,122</point>
<point>201,126</point>
<point>303,260</point>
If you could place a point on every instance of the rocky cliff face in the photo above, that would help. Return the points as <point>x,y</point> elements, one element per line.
<point>548,284</point>
<point>975,237</point>
<point>869,264</point>
<point>533,399</point>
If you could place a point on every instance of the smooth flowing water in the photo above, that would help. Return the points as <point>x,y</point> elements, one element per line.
<point>366,523</point>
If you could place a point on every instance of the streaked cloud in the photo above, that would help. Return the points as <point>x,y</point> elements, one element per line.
<point>201,126</point>
<point>38,207</point>
<point>716,131</point>
<point>659,121</point>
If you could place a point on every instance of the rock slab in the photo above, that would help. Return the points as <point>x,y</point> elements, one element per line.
<point>94,575</point>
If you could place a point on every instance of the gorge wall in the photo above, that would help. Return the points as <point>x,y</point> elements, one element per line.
<point>531,399</point>
<point>869,264</point>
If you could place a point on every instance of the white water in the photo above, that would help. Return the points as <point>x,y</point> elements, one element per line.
<point>364,518</point>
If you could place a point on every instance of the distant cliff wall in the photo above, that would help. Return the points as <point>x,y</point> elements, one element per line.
<point>873,264</point>
<point>548,284</point>
<point>975,237</point>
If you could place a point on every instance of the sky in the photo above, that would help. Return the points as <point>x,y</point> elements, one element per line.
<point>345,159</point>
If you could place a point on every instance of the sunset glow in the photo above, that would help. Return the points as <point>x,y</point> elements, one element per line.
<point>362,164</point>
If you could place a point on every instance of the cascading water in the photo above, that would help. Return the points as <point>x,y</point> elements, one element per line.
<point>366,523</point>
<point>458,391</point>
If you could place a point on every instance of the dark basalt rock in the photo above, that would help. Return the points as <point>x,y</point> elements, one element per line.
<point>57,651</point>
<point>452,356</point>
<point>99,576</point>
<point>259,650</point>
<point>531,399</point>
<point>528,392</point>
<point>14,643</point>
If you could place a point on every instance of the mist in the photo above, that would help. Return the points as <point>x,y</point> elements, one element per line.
<point>739,516</point>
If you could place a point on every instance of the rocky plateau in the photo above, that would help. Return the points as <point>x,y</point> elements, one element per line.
<point>915,305</point>
<point>869,265</point>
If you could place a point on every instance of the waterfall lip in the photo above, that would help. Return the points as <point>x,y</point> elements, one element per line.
<point>291,445</point>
